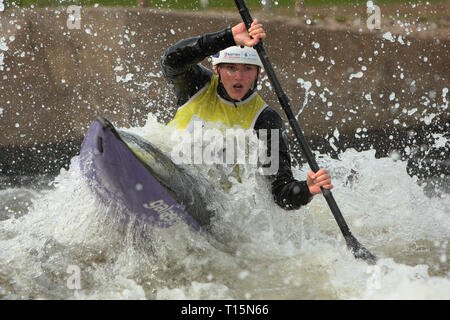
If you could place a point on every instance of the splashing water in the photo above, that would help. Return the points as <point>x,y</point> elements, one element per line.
<point>50,237</point>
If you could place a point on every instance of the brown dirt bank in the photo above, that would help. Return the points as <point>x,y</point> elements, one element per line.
<point>350,88</point>
<point>419,20</point>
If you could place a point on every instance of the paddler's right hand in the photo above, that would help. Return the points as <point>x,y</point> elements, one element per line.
<point>249,38</point>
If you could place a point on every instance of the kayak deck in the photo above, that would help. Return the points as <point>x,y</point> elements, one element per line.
<point>124,168</point>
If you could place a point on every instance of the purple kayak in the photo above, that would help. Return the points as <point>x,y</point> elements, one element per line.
<point>129,171</point>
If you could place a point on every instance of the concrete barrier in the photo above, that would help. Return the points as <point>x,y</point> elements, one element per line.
<point>349,89</point>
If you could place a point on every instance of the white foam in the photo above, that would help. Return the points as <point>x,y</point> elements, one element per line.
<point>301,251</point>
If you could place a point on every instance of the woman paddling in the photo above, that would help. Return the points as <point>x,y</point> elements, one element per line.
<point>228,94</point>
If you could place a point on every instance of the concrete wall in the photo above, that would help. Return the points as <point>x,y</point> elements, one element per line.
<point>55,80</point>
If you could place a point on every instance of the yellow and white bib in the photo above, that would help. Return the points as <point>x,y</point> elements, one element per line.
<point>206,105</point>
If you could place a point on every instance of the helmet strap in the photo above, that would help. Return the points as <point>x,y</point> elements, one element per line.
<point>256,79</point>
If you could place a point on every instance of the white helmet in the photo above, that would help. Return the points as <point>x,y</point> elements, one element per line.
<point>237,54</point>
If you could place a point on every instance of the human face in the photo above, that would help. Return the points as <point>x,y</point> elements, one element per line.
<point>237,78</point>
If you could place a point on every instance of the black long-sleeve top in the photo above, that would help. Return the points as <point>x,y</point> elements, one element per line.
<point>181,68</point>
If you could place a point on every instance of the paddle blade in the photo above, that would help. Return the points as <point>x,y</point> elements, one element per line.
<point>359,251</point>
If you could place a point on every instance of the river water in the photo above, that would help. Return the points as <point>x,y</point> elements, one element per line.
<point>60,242</point>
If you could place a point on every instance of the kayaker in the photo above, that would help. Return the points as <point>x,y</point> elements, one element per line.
<point>228,94</point>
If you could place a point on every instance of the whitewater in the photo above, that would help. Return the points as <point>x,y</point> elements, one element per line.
<point>61,242</point>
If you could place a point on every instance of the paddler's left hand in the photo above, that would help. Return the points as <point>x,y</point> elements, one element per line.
<point>319,179</point>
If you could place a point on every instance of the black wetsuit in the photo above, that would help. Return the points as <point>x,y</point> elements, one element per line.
<point>180,65</point>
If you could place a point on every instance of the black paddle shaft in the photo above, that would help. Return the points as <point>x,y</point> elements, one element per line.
<point>358,250</point>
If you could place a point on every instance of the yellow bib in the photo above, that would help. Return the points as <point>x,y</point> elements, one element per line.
<point>206,105</point>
